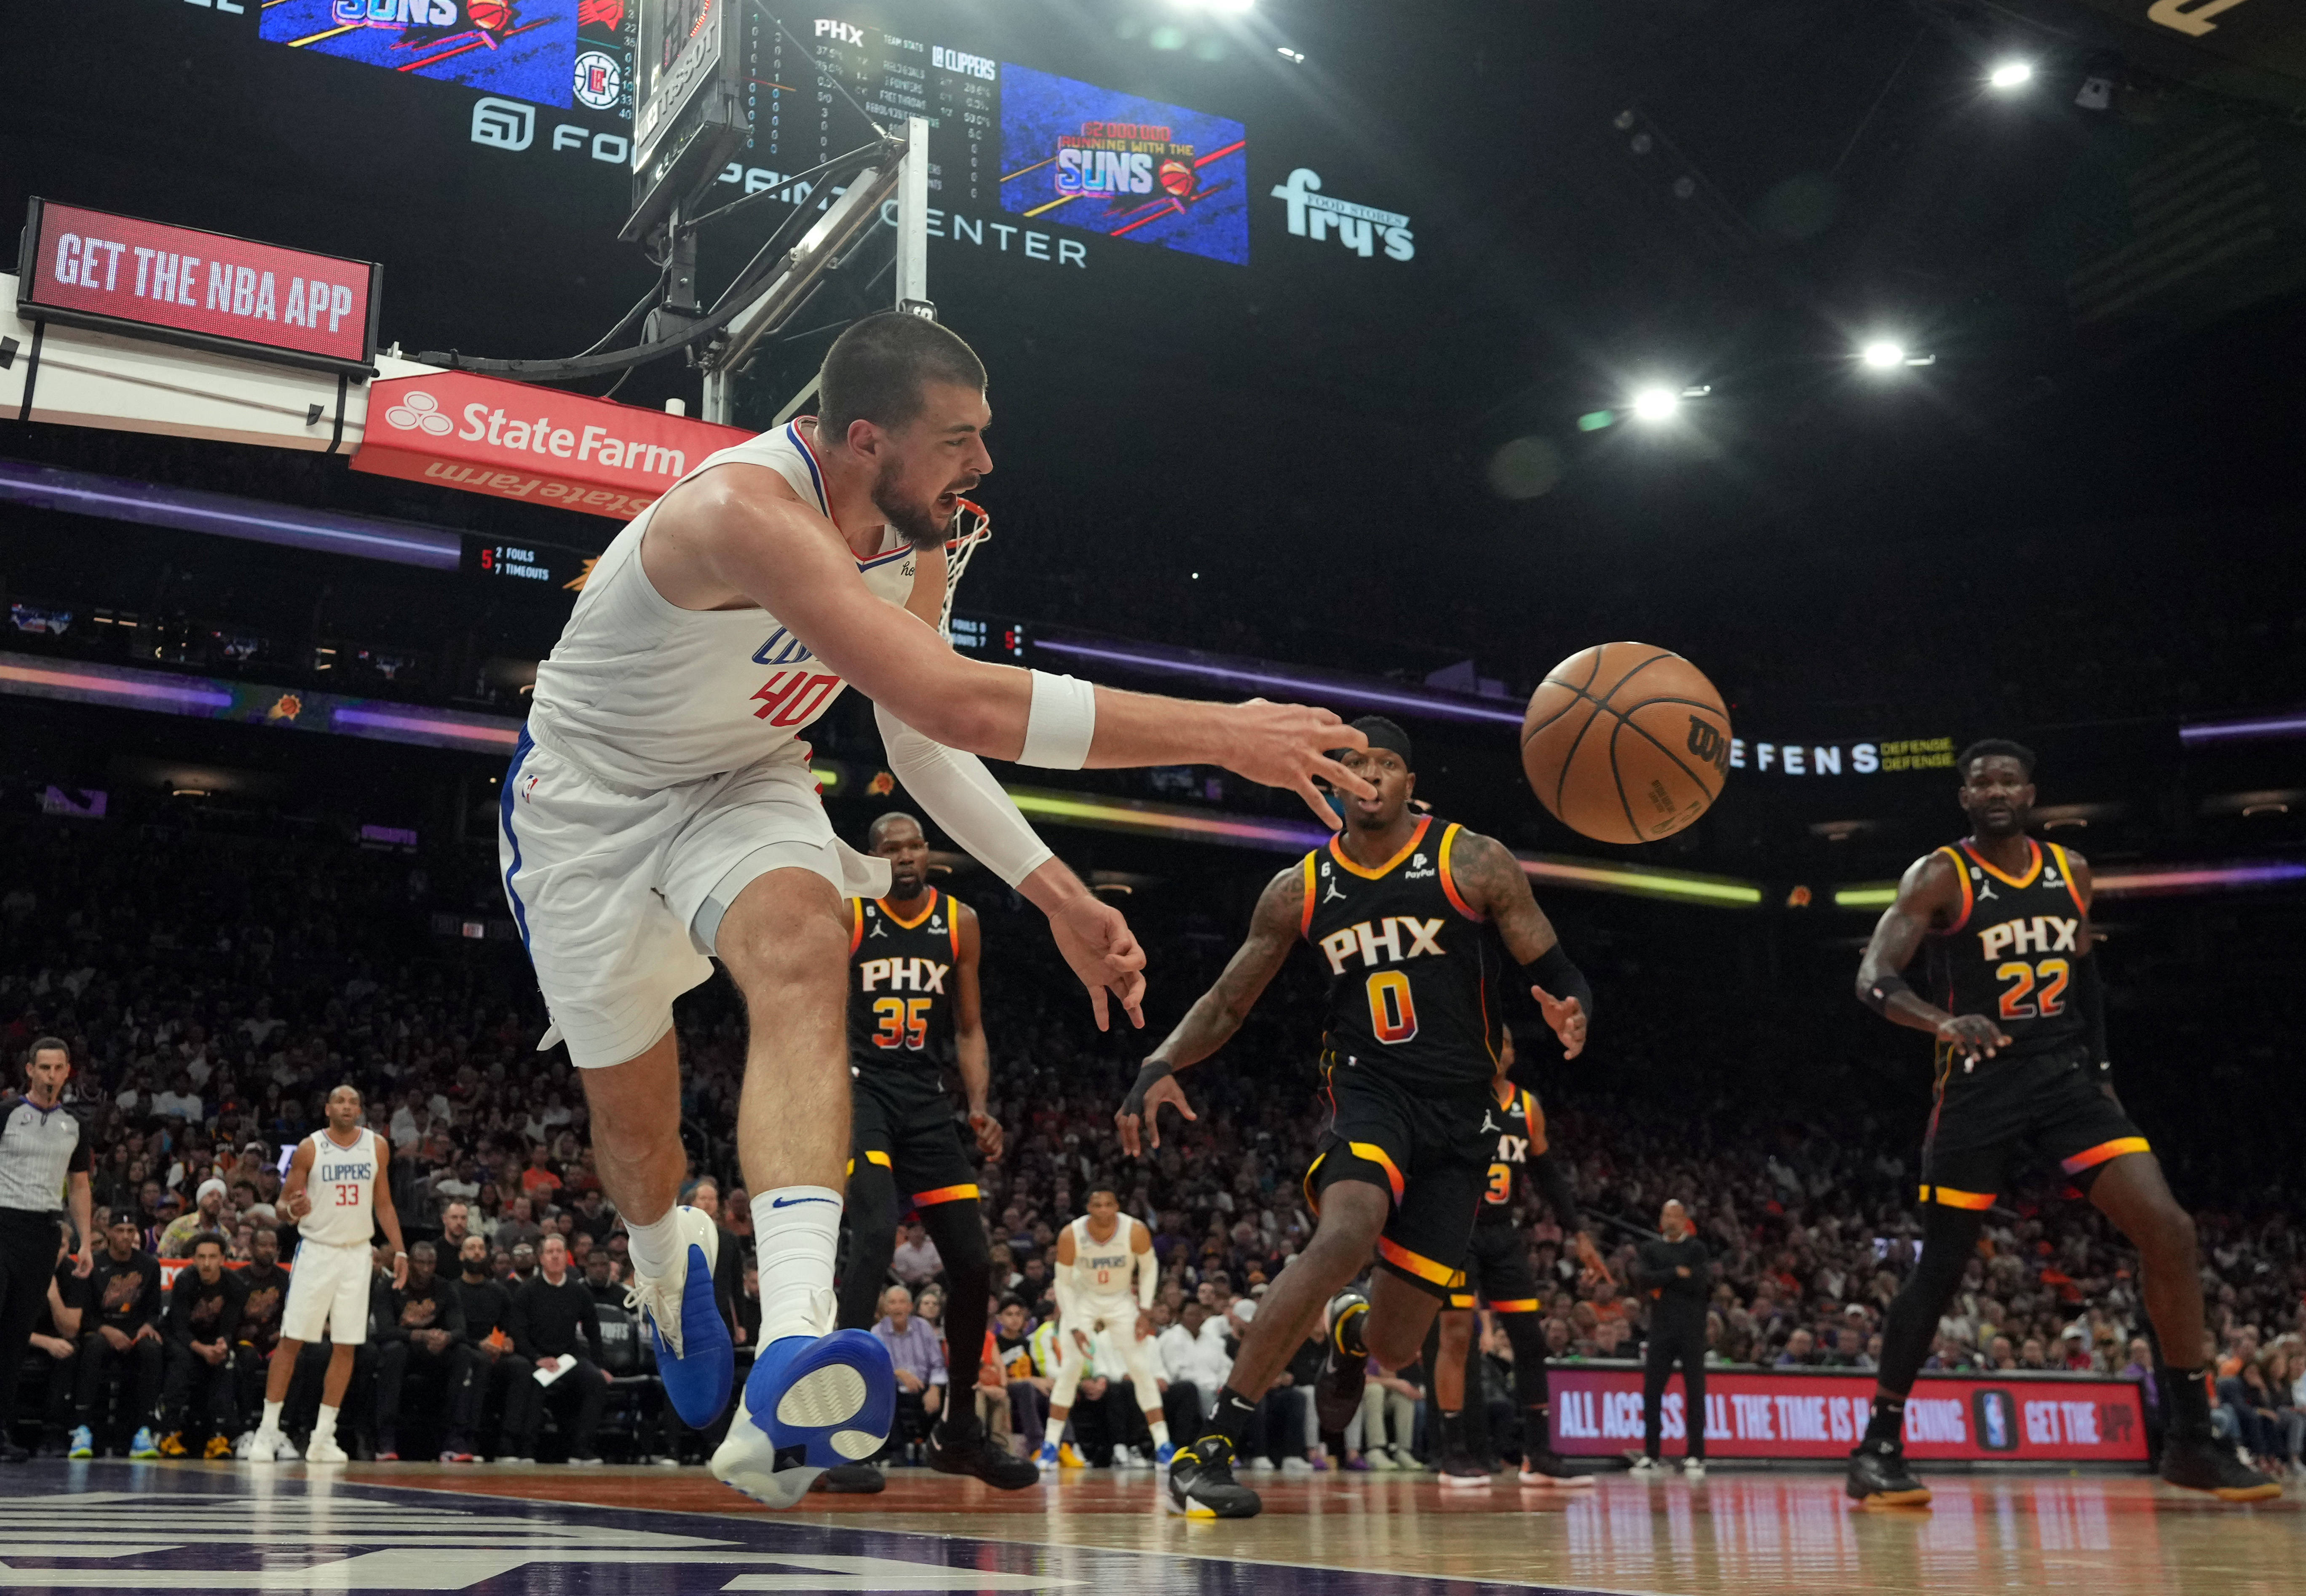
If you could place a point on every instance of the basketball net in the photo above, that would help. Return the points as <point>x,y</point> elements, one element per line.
<point>971,526</point>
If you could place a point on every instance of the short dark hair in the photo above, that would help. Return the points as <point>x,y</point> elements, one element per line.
<point>206,1238</point>
<point>875,370</point>
<point>1011,1300</point>
<point>1994,747</point>
<point>41,1044</point>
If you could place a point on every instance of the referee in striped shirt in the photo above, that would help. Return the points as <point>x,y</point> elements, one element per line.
<point>41,1152</point>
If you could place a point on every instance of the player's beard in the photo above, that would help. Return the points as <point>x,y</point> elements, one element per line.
<point>916,522</point>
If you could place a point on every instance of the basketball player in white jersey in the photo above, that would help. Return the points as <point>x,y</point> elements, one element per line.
<point>1107,1277</point>
<point>338,1193</point>
<point>660,812</point>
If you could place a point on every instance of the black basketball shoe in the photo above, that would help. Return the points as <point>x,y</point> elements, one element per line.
<point>1337,1393</point>
<point>1201,1483</point>
<point>851,1480</point>
<point>962,1447</point>
<point>2200,1462</point>
<point>1878,1477</point>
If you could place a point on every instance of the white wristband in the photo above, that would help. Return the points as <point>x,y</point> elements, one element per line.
<point>1061,723</point>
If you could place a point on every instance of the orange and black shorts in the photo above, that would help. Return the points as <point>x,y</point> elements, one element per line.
<point>1498,1275</point>
<point>1430,1151</point>
<point>2049,1110</point>
<point>903,1121</point>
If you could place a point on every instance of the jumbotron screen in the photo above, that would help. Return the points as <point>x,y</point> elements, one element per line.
<point>1008,143</point>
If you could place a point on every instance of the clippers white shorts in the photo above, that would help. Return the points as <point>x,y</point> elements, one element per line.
<point>327,1291</point>
<point>619,893</point>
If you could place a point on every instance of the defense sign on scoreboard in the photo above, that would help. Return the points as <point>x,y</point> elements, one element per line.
<point>205,290</point>
<point>1597,1411</point>
<point>514,440</point>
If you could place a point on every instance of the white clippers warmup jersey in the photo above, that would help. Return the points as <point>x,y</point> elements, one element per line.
<point>342,1186</point>
<point>643,692</point>
<point>1105,1270</point>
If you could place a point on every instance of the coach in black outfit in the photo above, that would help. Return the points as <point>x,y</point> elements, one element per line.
<point>1674,1272</point>
<point>42,1154</point>
<point>547,1315</point>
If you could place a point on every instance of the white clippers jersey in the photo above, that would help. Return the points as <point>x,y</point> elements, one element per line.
<point>1103,1270</point>
<point>643,692</point>
<point>342,1185</point>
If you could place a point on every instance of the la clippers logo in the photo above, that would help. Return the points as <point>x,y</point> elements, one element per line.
<point>599,81</point>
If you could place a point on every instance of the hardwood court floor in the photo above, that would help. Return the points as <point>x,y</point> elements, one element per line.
<point>182,1528</point>
<point>2098,1534</point>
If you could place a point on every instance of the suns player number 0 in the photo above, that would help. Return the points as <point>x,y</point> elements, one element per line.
<point>1393,1012</point>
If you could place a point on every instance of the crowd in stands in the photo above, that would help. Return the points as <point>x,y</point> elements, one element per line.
<point>212,992</point>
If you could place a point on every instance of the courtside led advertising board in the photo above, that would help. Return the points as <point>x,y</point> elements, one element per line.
<point>204,290</point>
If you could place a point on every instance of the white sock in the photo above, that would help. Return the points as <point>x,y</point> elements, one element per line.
<point>272,1425</point>
<point>1160,1428</point>
<point>796,1231</point>
<point>656,1245</point>
<point>324,1426</point>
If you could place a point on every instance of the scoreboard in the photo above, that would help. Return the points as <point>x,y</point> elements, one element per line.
<point>803,74</point>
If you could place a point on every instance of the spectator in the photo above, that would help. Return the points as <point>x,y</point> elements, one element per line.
<point>423,1333</point>
<point>1028,1386</point>
<point>207,1218</point>
<point>123,1347</point>
<point>1388,1421</point>
<point>920,1356</point>
<point>915,1261</point>
<point>555,1328</point>
<point>498,1371</point>
<point>204,1309</point>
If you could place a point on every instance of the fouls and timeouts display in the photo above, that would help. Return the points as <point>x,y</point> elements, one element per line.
<point>541,569</point>
<point>800,119</point>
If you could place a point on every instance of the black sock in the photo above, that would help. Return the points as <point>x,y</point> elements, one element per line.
<point>1538,1420</point>
<point>1231,1417</point>
<point>1888,1424</point>
<point>2187,1391</point>
<point>1453,1433</point>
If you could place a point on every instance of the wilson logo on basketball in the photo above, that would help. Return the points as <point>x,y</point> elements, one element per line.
<point>1706,742</point>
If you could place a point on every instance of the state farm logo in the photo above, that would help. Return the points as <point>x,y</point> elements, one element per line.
<point>419,411</point>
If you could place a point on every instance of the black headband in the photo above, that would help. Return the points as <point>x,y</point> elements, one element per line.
<point>1385,734</point>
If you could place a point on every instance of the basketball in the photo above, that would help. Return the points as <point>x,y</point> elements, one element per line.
<point>1626,742</point>
<point>1178,178</point>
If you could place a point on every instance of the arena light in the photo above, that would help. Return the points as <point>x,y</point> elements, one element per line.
<point>1884,353</point>
<point>2157,880</point>
<point>187,510</point>
<point>1258,676</point>
<point>1878,894</point>
<point>1721,890</point>
<point>2250,729</point>
<point>1655,403</point>
<point>1172,821</point>
<point>2013,75</point>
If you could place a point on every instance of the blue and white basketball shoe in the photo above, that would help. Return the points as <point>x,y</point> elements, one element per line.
<point>695,1357</point>
<point>812,1402</point>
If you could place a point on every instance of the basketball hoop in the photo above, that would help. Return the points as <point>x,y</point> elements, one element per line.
<point>971,526</point>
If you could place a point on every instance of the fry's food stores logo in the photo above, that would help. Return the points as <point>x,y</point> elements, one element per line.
<point>1360,228</point>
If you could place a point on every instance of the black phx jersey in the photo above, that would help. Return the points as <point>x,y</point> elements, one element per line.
<point>1413,972</point>
<point>2012,952</point>
<point>902,985</point>
<point>1522,1138</point>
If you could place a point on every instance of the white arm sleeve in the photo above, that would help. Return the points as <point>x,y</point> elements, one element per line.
<point>962,797</point>
<point>1149,1277</point>
<point>1061,1277</point>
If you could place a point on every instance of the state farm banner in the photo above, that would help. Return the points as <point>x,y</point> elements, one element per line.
<point>1597,1411</point>
<point>487,435</point>
<point>204,290</point>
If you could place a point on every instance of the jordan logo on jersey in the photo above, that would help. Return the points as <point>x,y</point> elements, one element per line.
<point>904,975</point>
<point>2035,934</point>
<point>1398,937</point>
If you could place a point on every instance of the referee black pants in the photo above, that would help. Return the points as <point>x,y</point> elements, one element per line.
<point>1675,1338</point>
<point>28,1244</point>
